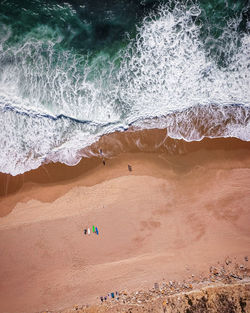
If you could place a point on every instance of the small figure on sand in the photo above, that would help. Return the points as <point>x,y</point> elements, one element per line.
<point>111,295</point>
<point>156,286</point>
<point>103,161</point>
<point>117,295</point>
<point>93,229</point>
<point>129,168</point>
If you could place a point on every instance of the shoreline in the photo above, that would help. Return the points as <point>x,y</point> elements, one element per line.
<point>183,205</point>
<point>196,123</point>
<point>113,145</point>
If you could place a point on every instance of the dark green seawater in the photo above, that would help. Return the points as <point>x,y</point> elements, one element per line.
<point>92,26</point>
<point>71,71</point>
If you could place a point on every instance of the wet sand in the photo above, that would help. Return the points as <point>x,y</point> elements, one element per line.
<point>182,208</point>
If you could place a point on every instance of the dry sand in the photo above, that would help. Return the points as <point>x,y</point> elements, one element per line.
<point>174,215</point>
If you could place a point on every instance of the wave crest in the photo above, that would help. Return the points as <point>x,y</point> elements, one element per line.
<point>54,102</point>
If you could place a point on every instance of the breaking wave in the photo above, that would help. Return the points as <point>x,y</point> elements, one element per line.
<point>56,101</point>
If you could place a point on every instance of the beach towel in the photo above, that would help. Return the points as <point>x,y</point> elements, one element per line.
<point>88,231</point>
<point>93,227</point>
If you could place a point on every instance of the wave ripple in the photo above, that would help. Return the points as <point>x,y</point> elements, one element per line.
<point>54,102</point>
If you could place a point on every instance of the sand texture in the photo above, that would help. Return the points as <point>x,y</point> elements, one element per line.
<point>172,216</point>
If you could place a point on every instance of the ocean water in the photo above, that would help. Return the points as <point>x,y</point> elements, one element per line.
<point>73,71</point>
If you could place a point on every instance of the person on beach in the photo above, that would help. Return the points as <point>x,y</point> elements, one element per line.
<point>103,161</point>
<point>117,295</point>
<point>85,231</point>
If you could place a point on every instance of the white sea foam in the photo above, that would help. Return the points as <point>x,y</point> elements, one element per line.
<point>169,69</point>
<point>54,103</point>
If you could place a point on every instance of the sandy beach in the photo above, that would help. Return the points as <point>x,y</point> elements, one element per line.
<point>182,208</point>
<point>124,156</point>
